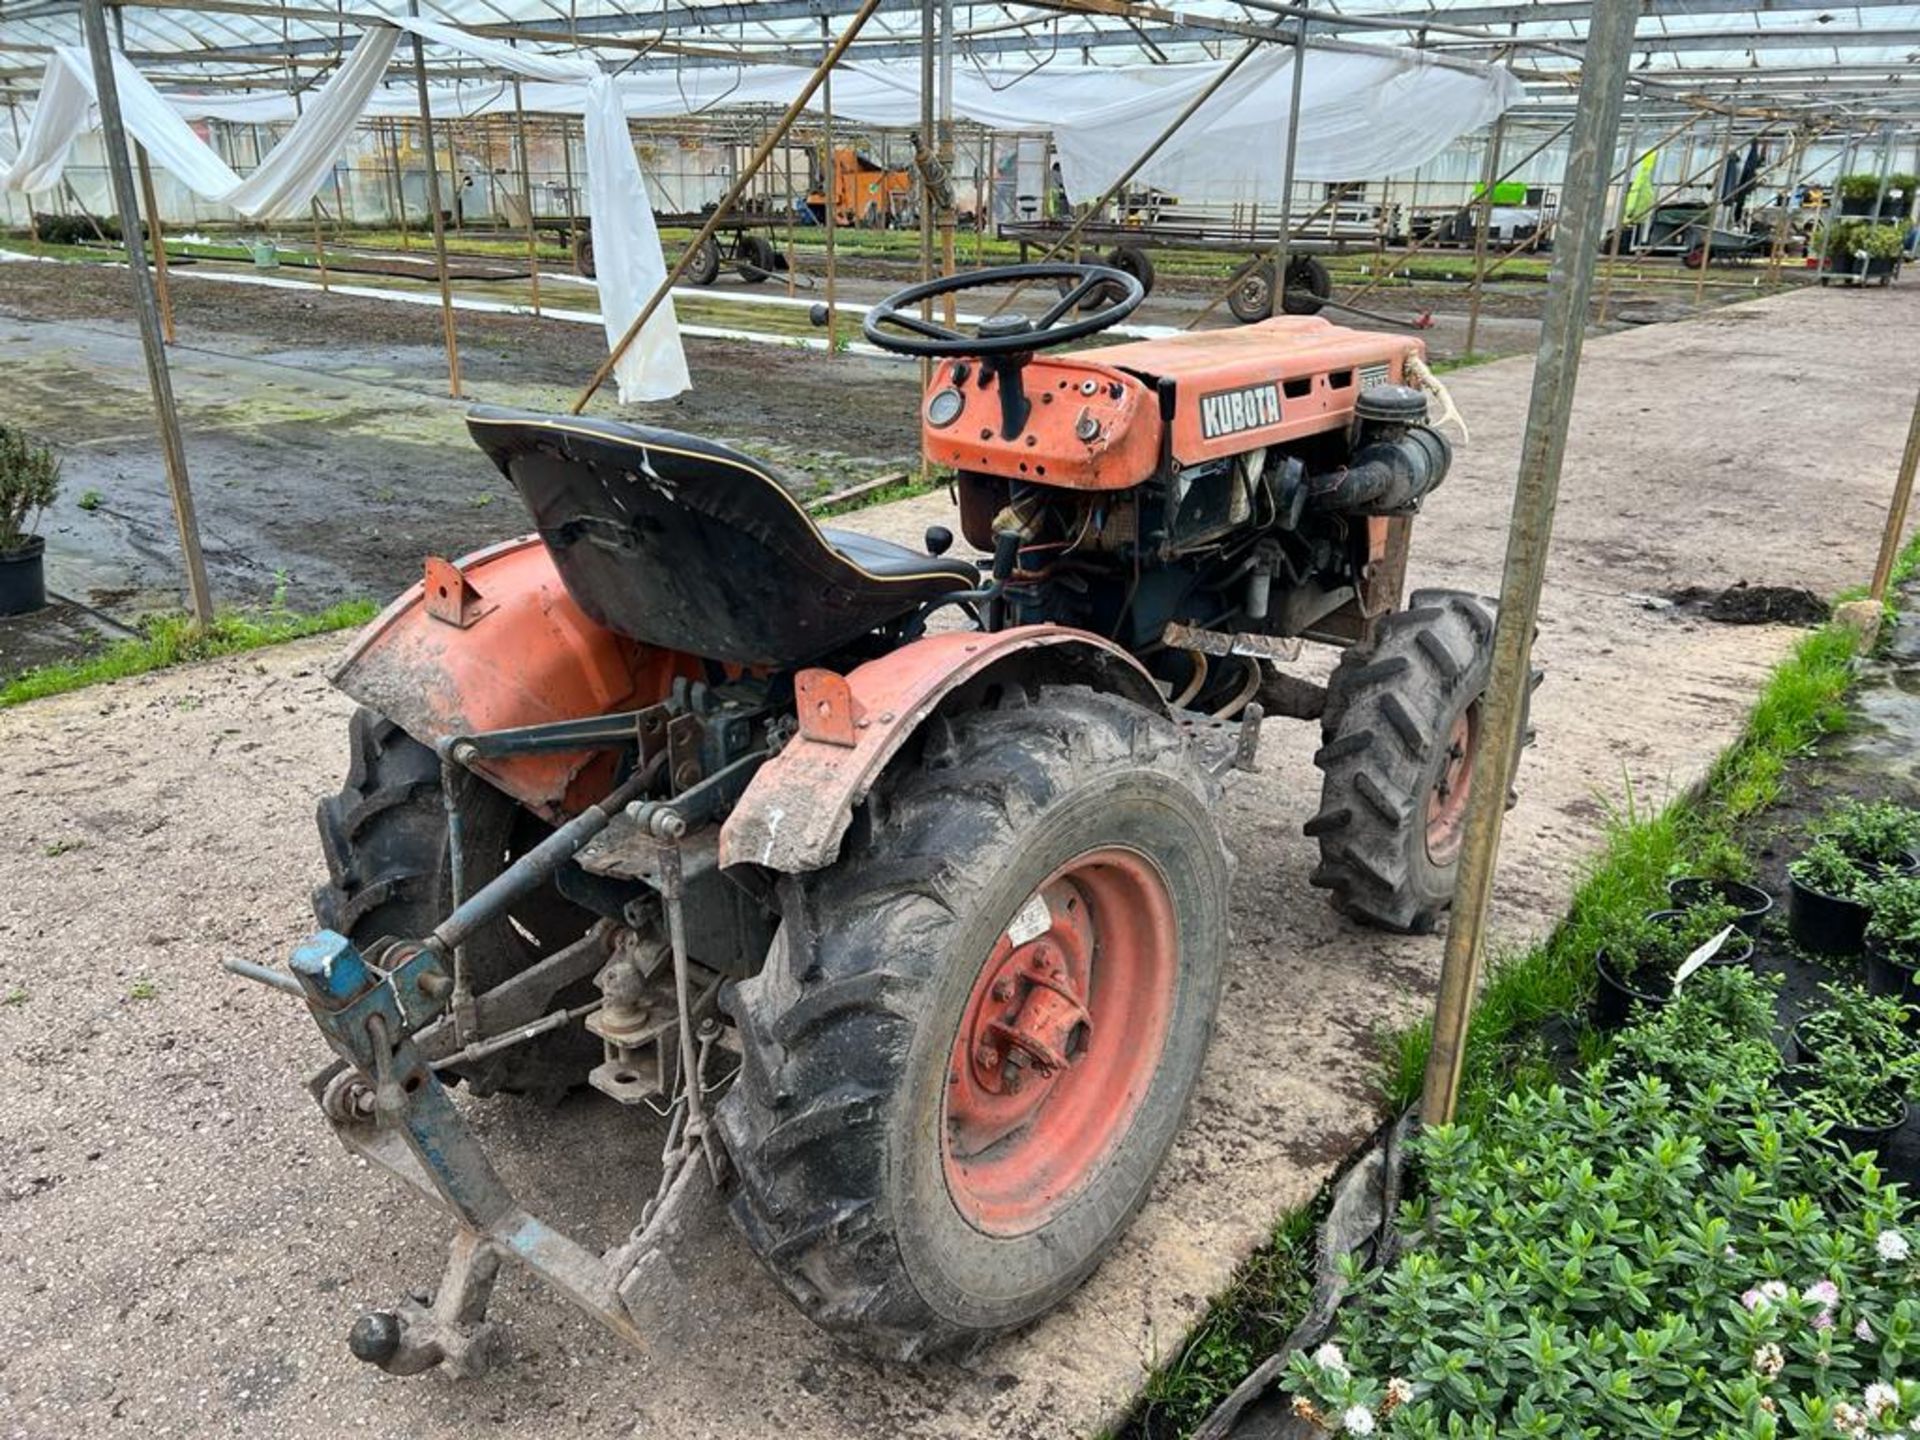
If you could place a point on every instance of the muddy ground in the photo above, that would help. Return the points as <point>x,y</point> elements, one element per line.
<point>182,1246</point>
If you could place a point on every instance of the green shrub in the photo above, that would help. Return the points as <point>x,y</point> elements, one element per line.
<point>1654,947</point>
<point>1861,185</point>
<point>1844,239</point>
<point>1895,922</point>
<point>1716,1032</point>
<point>1875,834</point>
<point>29,482</point>
<point>1826,868</point>
<point>1627,1258</point>
<point>1864,1061</point>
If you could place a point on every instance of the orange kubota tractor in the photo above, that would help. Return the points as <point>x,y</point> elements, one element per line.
<point>922,852</point>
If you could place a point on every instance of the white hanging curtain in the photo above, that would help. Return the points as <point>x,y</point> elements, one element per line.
<point>626,245</point>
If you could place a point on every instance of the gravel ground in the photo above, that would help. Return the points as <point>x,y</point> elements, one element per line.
<point>182,1246</point>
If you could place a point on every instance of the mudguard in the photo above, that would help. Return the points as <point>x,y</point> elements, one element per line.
<point>798,806</point>
<point>494,640</point>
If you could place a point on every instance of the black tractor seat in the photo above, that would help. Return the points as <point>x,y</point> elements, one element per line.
<point>679,542</point>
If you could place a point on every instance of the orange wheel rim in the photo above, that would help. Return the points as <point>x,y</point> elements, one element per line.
<point>1447,803</point>
<point>1059,1042</point>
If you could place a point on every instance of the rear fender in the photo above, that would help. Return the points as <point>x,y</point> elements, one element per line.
<point>498,643</point>
<point>797,808</point>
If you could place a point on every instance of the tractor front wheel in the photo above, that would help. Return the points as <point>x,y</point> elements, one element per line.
<point>1401,740</point>
<point>976,1035</point>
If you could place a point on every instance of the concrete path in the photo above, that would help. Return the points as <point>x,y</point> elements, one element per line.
<point>182,1246</point>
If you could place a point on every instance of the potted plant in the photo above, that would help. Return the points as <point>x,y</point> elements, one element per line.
<point>1859,1065</point>
<point>1689,892</point>
<point>29,481</point>
<point>1858,191</point>
<point>1898,206</point>
<point>1893,937</point>
<point>1878,835</point>
<point>1862,250</point>
<point>1639,963</point>
<point>1825,909</point>
<point>1716,1032</point>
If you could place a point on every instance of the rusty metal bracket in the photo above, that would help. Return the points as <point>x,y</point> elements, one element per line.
<point>451,597</point>
<point>826,708</point>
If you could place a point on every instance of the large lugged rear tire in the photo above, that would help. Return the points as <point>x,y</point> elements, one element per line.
<point>384,837</point>
<point>914,1179</point>
<point>1399,742</point>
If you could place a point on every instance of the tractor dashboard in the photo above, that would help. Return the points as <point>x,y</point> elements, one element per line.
<point>1108,418</point>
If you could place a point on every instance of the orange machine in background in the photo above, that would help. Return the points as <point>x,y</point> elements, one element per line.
<point>865,192</point>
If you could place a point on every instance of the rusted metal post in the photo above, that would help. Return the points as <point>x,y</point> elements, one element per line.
<point>1576,246</point>
<point>727,201</point>
<point>1281,258</point>
<point>114,140</point>
<point>149,201</point>
<point>399,183</point>
<point>1487,182</point>
<point>1830,212</point>
<point>1619,212</point>
<point>439,217</point>
<point>830,188</point>
<point>526,191</point>
<point>943,147</point>
<point>924,142</point>
<point>1719,183</point>
<point>1897,510</point>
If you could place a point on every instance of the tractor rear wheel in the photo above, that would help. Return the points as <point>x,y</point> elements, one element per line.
<point>1400,744</point>
<point>384,837</point>
<point>976,1035</point>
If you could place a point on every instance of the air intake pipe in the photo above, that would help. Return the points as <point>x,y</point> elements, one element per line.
<point>1397,458</point>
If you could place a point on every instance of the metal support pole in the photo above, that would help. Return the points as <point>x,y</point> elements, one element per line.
<point>1280,257</point>
<point>830,188</point>
<point>943,147</point>
<point>113,136</point>
<point>1830,212</point>
<point>1897,510</point>
<point>1583,207</point>
<point>1634,156</point>
<point>1719,183</point>
<point>929,11</point>
<point>399,183</point>
<point>439,218</point>
<point>526,191</point>
<point>725,207</point>
<point>156,235</point>
<point>1488,171</point>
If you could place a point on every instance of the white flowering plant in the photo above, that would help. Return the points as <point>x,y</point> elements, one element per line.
<point>1631,1256</point>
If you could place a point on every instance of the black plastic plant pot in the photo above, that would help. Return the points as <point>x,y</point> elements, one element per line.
<point>23,578</point>
<point>1798,1079</point>
<point>1614,997</point>
<point>1891,974</point>
<point>1825,924</point>
<point>1615,994</point>
<point>1753,903</point>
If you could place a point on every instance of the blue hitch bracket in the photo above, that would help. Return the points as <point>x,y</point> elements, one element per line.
<point>413,1130</point>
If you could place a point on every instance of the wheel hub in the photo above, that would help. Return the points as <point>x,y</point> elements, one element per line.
<point>1059,1041</point>
<point>1447,805</point>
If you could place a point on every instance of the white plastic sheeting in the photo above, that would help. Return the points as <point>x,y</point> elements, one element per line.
<point>627,255</point>
<point>1364,112</point>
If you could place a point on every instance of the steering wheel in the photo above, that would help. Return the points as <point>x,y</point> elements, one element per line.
<point>1000,336</point>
